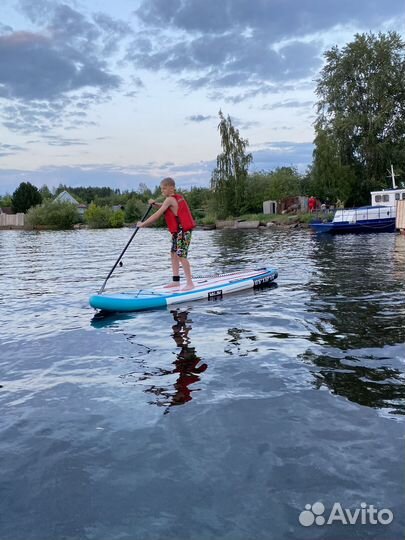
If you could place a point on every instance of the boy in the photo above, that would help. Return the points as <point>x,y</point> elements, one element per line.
<point>180,223</point>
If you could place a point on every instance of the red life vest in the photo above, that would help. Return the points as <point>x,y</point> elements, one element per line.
<point>183,218</point>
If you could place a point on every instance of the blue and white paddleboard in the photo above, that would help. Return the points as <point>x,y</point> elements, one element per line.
<point>205,288</point>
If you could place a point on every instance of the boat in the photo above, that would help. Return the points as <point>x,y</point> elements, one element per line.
<point>365,219</point>
<point>208,288</point>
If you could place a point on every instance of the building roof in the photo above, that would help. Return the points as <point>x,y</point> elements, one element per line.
<point>64,196</point>
<point>6,210</point>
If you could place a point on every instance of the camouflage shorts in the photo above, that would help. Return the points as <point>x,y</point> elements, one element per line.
<point>181,242</point>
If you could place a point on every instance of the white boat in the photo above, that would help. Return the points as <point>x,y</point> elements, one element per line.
<point>379,217</point>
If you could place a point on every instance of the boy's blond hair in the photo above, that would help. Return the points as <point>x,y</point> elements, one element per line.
<point>168,182</point>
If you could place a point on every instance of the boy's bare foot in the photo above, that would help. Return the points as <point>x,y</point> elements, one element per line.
<point>172,285</point>
<point>188,287</point>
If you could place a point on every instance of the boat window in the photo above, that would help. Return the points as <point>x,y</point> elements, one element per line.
<point>397,196</point>
<point>378,198</point>
<point>385,198</point>
<point>403,196</point>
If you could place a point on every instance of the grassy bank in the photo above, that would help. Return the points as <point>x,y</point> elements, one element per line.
<point>279,219</point>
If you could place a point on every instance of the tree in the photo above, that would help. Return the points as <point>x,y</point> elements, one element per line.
<point>134,209</point>
<point>329,179</point>
<point>6,200</point>
<point>53,215</point>
<point>25,196</point>
<point>45,192</point>
<point>283,182</point>
<point>275,185</point>
<point>230,175</point>
<point>361,108</point>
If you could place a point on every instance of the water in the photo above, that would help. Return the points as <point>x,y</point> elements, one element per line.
<point>216,420</point>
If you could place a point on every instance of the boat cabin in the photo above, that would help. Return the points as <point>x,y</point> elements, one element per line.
<point>387,197</point>
<point>364,213</point>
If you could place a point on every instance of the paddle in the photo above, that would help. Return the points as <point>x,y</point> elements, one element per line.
<point>124,250</point>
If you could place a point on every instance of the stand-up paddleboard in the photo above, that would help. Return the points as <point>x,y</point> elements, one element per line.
<point>205,288</point>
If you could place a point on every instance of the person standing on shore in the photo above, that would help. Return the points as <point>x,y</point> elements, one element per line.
<point>180,223</point>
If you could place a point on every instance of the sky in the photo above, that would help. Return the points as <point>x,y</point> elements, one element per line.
<point>122,93</point>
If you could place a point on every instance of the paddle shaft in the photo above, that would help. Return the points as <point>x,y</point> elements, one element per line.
<point>123,251</point>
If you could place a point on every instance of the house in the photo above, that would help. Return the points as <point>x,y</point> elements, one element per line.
<point>65,197</point>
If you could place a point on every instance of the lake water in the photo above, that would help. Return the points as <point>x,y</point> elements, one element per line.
<point>215,420</point>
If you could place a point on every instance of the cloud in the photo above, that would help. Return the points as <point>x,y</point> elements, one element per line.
<point>40,116</point>
<point>280,20</point>
<point>33,66</point>
<point>10,149</point>
<point>228,61</point>
<point>245,47</point>
<point>199,118</point>
<point>194,174</point>
<point>288,104</point>
<point>283,154</point>
<point>47,72</point>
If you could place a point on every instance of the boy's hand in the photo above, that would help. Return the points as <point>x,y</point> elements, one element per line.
<point>140,224</point>
<point>154,203</point>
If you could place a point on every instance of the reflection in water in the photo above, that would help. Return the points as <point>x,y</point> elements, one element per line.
<point>374,386</point>
<point>358,309</point>
<point>234,247</point>
<point>187,368</point>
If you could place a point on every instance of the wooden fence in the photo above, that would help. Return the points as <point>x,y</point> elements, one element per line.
<point>11,221</point>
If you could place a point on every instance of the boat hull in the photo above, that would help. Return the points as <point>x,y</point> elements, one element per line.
<point>366,226</point>
<point>205,288</point>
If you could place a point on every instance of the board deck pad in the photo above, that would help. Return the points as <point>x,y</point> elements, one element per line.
<point>206,287</point>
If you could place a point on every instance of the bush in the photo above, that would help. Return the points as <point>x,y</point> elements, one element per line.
<point>134,209</point>
<point>117,219</point>
<point>209,219</point>
<point>98,217</point>
<point>53,215</point>
<point>103,217</point>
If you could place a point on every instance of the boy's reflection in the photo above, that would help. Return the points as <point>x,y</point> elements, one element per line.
<point>187,364</point>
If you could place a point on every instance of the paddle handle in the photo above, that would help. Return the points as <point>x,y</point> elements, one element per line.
<point>124,250</point>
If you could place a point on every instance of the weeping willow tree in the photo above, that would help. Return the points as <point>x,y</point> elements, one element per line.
<point>229,178</point>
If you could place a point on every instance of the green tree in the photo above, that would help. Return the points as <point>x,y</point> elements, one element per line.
<point>329,179</point>
<point>198,201</point>
<point>25,196</point>
<point>6,200</point>
<point>45,192</point>
<point>257,191</point>
<point>53,215</point>
<point>283,182</point>
<point>117,219</point>
<point>229,178</point>
<point>98,217</point>
<point>361,107</point>
<point>134,209</point>
<point>102,217</point>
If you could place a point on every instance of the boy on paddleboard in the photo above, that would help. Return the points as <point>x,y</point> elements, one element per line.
<point>180,223</point>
